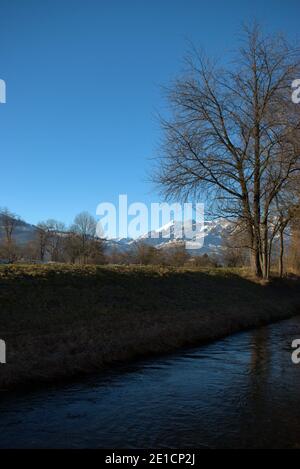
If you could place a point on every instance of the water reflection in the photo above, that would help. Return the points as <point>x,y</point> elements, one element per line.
<point>242,391</point>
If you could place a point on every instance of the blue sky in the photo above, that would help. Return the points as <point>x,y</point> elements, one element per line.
<point>83,88</point>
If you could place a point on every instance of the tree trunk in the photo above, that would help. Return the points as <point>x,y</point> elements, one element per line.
<point>254,251</point>
<point>255,261</point>
<point>265,252</point>
<point>270,256</point>
<point>281,254</point>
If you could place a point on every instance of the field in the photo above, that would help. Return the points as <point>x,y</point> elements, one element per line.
<point>62,321</point>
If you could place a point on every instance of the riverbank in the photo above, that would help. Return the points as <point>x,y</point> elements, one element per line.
<point>63,321</point>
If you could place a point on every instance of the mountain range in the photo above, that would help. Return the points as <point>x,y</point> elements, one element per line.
<point>172,234</point>
<point>164,237</point>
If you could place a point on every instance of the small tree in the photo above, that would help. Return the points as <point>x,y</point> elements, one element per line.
<point>55,239</point>
<point>72,247</point>
<point>84,227</point>
<point>144,254</point>
<point>43,235</point>
<point>294,251</point>
<point>235,248</point>
<point>205,261</point>
<point>177,256</point>
<point>8,223</point>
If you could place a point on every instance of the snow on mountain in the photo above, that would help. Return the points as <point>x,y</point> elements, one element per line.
<point>173,233</point>
<point>165,237</point>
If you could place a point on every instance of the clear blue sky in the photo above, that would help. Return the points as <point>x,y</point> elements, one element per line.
<point>83,87</point>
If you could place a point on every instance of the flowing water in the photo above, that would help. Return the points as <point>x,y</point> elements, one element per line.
<point>243,391</point>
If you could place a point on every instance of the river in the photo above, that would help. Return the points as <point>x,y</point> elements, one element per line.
<point>239,392</point>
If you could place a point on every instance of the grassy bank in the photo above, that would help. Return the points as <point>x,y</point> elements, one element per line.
<point>61,321</point>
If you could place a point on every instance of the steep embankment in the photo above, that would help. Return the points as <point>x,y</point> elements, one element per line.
<point>61,321</point>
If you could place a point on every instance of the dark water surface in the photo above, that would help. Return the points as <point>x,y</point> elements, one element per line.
<point>243,391</point>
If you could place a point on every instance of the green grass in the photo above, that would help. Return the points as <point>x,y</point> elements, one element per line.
<point>60,321</point>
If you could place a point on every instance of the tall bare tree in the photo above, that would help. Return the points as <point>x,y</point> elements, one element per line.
<point>233,135</point>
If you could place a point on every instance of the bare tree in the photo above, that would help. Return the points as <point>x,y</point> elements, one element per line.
<point>72,247</point>
<point>43,235</point>
<point>235,246</point>
<point>95,252</point>
<point>144,254</point>
<point>282,213</point>
<point>55,233</point>
<point>177,255</point>
<point>84,227</point>
<point>8,223</point>
<point>233,135</point>
<point>294,252</point>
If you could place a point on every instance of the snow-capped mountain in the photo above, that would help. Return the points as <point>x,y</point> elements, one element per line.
<point>173,233</point>
<point>210,233</point>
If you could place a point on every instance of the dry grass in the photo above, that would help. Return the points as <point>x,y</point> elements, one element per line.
<point>60,321</point>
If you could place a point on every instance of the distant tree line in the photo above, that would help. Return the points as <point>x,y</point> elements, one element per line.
<point>142,253</point>
<point>53,242</point>
<point>77,244</point>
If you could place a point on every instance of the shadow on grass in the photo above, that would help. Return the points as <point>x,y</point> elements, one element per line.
<point>59,321</point>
